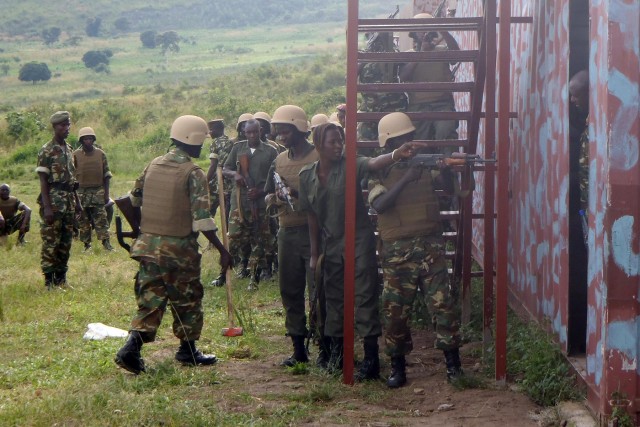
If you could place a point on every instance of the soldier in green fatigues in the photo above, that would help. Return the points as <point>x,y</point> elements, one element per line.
<point>579,94</point>
<point>93,175</point>
<point>296,276</point>
<point>14,215</point>
<point>248,225</point>
<point>322,193</point>
<point>58,200</point>
<point>175,196</point>
<point>413,259</point>
<point>218,153</point>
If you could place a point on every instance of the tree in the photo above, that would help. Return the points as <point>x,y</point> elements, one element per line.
<point>98,60</point>
<point>50,35</point>
<point>148,39</point>
<point>93,27</point>
<point>168,41</point>
<point>34,72</point>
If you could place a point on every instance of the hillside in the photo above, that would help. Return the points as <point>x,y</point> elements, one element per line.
<point>30,17</point>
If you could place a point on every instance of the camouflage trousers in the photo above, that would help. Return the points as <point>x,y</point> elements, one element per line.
<point>56,241</point>
<point>247,233</point>
<point>416,268</point>
<point>13,224</point>
<point>181,289</point>
<point>96,215</point>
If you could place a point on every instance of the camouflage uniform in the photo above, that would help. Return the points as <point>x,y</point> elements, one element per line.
<point>243,230</point>
<point>413,263</point>
<point>220,149</point>
<point>170,266</point>
<point>328,205</point>
<point>56,162</point>
<point>92,201</point>
<point>13,222</point>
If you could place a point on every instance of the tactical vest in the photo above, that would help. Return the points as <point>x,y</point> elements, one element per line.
<point>289,170</point>
<point>89,168</point>
<point>416,211</point>
<point>166,208</point>
<point>9,207</point>
<point>431,72</point>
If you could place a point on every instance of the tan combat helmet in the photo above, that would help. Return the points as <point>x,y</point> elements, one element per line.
<point>392,125</point>
<point>318,119</point>
<point>291,115</point>
<point>244,117</point>
<point>190,130</point>
<point>333,118</point>
<point>261,115</point>
<point>86,131</point>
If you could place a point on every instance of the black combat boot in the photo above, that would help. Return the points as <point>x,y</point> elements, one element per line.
<point>299,352</point>
<point>48,280</point>
<point>106,244</point>
<point>21,240</point>
<point>335,359</point>
<point>188,354</point>
<point>60,278</point>
<point>128,357</point>
<point>221,280</point>
<point>324,353</point>
<point>398,376</point>
<point>87,247</point>
<point>454,367</point>
<point>244,272</point>
<point>370,367</point>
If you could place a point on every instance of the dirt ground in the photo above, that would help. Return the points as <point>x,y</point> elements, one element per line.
<point>427,399</point>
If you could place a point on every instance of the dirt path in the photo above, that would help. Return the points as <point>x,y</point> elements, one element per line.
<point>427,399</point>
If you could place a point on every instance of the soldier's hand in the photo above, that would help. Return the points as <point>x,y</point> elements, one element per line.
<point>313,261</point>
<point>406,151</point>
<point>48,215</point>
<point>2,224</point>
<point>226,260</point>
<point>254,193</point>
<point>239,179</point>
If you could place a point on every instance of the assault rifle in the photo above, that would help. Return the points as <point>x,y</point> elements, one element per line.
<point>132,215</point>
<point>456,159</point>
<point>371,39</point>
<point>283,189</point>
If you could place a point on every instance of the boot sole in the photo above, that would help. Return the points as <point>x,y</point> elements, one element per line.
<point>121,363</point>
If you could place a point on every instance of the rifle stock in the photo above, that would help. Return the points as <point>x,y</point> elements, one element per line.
<point>132,215</point>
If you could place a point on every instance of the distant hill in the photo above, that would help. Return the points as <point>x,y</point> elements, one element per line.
<point>30,17</point>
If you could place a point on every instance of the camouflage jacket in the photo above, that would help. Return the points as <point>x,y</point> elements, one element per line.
<point>172,251</point>
<point>56,162</point>
<point>220,149</point>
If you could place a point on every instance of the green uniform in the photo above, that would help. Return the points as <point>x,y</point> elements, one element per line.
<point>92,199</point>
<point>55,161</point>
<point>170,266</point>
<point>244,230</point>
<point>327,203</point>
<point>413,263</point>
<point>583,172</point>
<point>220,149</point>
<point>295,275</point>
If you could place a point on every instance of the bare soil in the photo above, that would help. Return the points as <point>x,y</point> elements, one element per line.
<point>427,399</point>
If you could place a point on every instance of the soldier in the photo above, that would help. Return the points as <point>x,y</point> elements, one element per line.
<point>242,121</point>
<point>322,191</point>
<point>93,175</point>
<point>579,96</point>
<point>290,124</point>
<point>341,114</point>
<point>58,200</point>
<point>248,165</point>
<point>431,72</point>
<point>243,271</point>
<point>14,215</point>
<point>174,193</point>
<point>218,153</point>
<point>413,259</point>
<point>270,251</point>
<point>378,72</point>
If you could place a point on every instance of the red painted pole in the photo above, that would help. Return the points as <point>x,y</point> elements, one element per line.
<point>504,106</point>
<point>350,190</point>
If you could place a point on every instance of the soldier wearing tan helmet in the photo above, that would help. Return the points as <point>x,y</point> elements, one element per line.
<point>242,120</point>
<point>265,130</point>
<point>58,200</point>
<point>413,260</point>
<point>175,196</point>
<point>93,175</point>
<point>248,165</point>
<point>318,119</point>
<point>295,276</point>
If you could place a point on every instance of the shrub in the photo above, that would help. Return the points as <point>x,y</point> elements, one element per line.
<point>98,60</point>
<point>148,39</point>
<point>93,27</point>
<point>23,126</point>
<point>51,35</point>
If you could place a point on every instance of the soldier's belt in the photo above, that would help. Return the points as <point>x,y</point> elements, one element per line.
<point>62,186</point>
